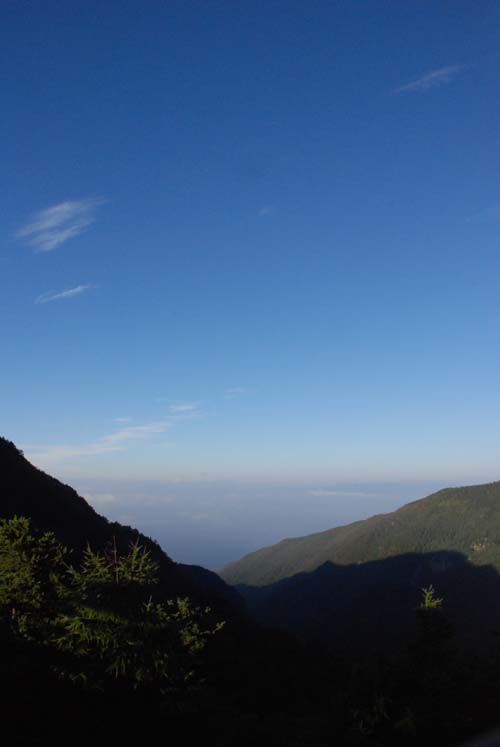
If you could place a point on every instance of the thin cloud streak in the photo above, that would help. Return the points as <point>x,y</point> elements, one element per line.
<point>109,443</point>
<point>184,407</point>
<point>50,228</point>
<point>135,432</point>
<point>58,295</point>
<point>434,79</point>
<point>117,441</point>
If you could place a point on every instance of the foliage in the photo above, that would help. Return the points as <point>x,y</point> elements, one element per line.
<point>32,576</point>
<point>101,617</point>
<point>366,721</point>
<point>433,629</point>
<point>430,601</point>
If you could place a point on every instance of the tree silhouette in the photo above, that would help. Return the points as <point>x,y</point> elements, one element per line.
<point>101,618</point>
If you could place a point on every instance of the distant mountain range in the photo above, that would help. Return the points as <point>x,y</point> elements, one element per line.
<point>466,520</point>
<point>362,582</point>
<point>53,506</point>
<point>352,587</point>
<point>349,593</point>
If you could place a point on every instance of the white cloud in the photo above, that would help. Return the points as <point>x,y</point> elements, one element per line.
<point>49,228</point>
<point>234,392</point>
<point>184,407</point>
<point>434,79</point>
<point>124,437</point>
<point>109,443</point>
<point>265,211</point>
<point>55,454</point>
<point>136,431</point>
<point>58,295</point>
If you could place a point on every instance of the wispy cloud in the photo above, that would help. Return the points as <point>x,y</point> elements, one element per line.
<point>134,432</point>
<point>122,420</point>
<point>184,407</point>
<point>111,442</point>
<point>234,392</point>
<point>51,455</point>
<point>118,440</point>
<point>433,79</point>
<point>49,228</point>
<point>58,295</point>
<point>322,492</point>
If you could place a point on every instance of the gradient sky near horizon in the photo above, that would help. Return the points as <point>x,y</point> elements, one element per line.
<point>248,244</point>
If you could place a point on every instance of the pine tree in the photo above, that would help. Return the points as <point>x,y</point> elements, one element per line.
<point>101,619</point>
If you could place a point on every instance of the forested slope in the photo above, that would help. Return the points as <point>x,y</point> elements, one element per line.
<point>464,520</point>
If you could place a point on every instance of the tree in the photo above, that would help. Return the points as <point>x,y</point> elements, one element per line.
<point>434,632</point>
<point>32,577</point>
<point>100,619</point>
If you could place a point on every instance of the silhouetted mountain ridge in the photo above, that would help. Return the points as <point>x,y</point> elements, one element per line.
<point>51,505</point>
<point>261,685</point>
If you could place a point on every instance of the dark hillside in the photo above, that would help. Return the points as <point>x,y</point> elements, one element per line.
<point>251,684</point>
<point>369,608</point>
<point>356,587</point>
<point>51,505</point>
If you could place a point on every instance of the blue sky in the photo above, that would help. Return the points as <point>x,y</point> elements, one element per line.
<point>251,244</point>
